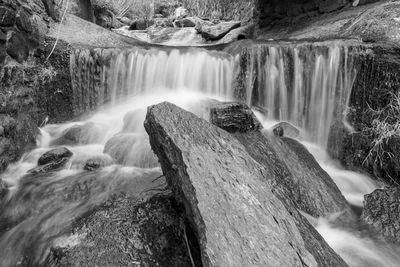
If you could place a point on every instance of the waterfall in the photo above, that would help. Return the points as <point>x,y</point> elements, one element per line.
<point>308,85</point>
<point>111,75</point>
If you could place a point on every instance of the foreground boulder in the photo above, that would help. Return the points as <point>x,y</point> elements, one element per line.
<point>296,171</point>
<point>237,219</point>
<point>112,217</point>
<point>381,210</point>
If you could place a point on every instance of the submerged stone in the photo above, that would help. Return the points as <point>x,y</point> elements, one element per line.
<point>98,162</point>
<point>131,149</point>
<point>87,133</point>
<point>225,198</point>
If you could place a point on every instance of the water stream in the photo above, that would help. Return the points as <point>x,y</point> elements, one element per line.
<point>306,84</point>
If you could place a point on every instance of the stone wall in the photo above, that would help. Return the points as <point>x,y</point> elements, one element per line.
<point>34,86</point>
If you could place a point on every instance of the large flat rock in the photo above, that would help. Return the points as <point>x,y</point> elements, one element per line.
<point>237,219</point>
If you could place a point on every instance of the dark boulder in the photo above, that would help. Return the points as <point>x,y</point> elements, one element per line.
<point>7,16</point>
<point>98,162</point>
<point>228,204</point>
<point>18,47</point>
<point>131,149</point>
<point>55,155</point>
<point>382,211</point>
<point>216,32</point>
<point>233,117</point>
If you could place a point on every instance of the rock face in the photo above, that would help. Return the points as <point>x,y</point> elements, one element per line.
<point>234,117</point>
<point>381,210</point>
<point>16,135</point>
<point>216,32</point>
<point>228,205</point>
<point>376,84</point>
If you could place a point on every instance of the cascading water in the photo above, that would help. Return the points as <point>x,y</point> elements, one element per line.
<point>306,84</point>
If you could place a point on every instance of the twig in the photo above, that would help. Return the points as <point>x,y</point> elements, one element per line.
<point>187,246</point>
<point>59,30</point>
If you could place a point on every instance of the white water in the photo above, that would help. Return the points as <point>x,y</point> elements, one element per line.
<point>309,97</point>
<point>304,84</point>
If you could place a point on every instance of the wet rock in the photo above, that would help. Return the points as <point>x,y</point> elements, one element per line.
<point>55,155</point>
<point>295,170</point>
<point>7,16</point>
<point>278,131</point>
<point>234,117</point>
<point>131,149</point>
<point>381,211</point>
<point>88,133</point>
<point>213,175</point>
<point>52,166</point>
<point>17,136</point>
<point>98,162</point>
<point>18,47</point>
<point>216,32</point>
<point>286,129</point>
